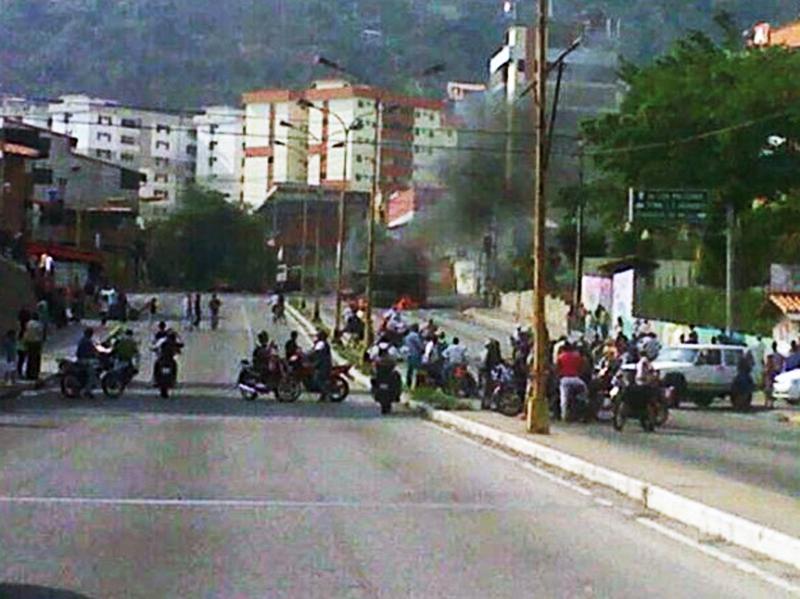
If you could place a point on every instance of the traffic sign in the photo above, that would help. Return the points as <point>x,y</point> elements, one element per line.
<point>669,206</point>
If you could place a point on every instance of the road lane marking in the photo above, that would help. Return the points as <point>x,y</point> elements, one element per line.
<point>739,564</point>
<point>518,461</point>
<point>247,326</point>
<point>164,502</point>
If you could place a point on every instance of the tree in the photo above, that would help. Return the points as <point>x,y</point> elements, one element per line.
<point>706,117</point>
<point>209,242</point>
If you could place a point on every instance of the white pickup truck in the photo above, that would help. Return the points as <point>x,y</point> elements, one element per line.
<point>700,373</point>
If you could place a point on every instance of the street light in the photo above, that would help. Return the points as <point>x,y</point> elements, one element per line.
<point>356,125</point>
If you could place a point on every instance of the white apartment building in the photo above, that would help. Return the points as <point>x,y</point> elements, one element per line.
<point>161,145</point>
<point>299,137</point>
<point>220,149</point>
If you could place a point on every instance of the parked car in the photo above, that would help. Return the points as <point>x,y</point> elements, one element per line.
<point>787,387</point>
<point>699,373</point>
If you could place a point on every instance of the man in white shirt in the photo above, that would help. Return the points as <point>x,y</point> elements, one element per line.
<point>454,355</point>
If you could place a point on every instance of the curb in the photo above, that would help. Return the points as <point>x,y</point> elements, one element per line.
<point>711,521</point>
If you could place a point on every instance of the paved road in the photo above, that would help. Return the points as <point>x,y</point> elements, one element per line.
<point>207,496</point>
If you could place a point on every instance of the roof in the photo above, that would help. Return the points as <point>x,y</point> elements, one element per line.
<point>268,96</point>
<point>64,252</point>
<point>788,303</point>
<point>617,265</point>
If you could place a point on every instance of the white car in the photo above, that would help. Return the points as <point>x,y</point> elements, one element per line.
<point>699,372</point>
<point>787,387</point>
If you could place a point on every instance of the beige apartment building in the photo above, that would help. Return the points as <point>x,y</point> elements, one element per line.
<point>302,137</point>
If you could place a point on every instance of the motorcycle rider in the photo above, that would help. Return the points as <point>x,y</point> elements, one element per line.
<point>569,368</point>
<point>167,347</point>
<point>322,360</point>
<point>264,355</point>
<point>384,362</point>
<point>88,355</point>
<point>125,350</point>
<point>492,357</point>
<point>291,347</point>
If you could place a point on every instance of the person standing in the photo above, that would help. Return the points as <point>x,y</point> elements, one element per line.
<point>187,311</point>
<point>198,310</point>
<point>412,344</point>
<point>33,339</point>
<point>214,306</point>
<point>23,318</point>
<point>9,357</point>
<point>773,366</point>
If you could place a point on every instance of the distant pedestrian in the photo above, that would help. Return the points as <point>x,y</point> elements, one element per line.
<point>33,341</point>
<point>773,365</point>
<point>23,318</point>
<point>198,310</point>
<point>188,317</point>
<point>152,309</point>
<point>413,348</point>
<point>8,365</point>
<point>692,337</point>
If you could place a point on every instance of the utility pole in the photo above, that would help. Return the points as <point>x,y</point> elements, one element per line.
<point>577,290</point>
<point>538,418</point>
<point>340,246</point>
<point>320,208</point>
<point>730,217</point>
<point>304,249</point>
<point>373,197</point>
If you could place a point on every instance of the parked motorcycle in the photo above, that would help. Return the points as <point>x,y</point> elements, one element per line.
<point>644,402</point>
<point>252,383</point>
<point>580,407</point>
<point>302,370</point>
<point>506,399</point>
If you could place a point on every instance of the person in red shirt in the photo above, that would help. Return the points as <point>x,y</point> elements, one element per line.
<point>569,367</point>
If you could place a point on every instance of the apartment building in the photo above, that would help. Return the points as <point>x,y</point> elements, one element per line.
<point>160,145</point>
<point>303,136</point>
<point>220,140</point>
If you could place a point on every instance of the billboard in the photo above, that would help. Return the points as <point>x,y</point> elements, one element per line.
<point>624,286</point>
<point>596,291</point>
<point>784,278</point>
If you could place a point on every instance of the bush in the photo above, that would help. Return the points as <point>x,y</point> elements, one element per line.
<point>705,306</point>
<point>438,399</point>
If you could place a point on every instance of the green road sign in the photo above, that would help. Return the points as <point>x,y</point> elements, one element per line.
<point>669,206</point>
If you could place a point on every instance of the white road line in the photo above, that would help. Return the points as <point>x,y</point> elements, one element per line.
<point>163,502</point>
<point>518,461</point>
<point>721,556</point>
<point>247,326</point>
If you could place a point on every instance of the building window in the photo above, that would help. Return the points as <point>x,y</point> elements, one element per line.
<point>212,145</point>
<point>161,178</point>
<point>104,154</point>
<point>191,150</point>
<point>212,160</point>
<point>162,145</point>
<point>358,177</point>
<point>103,136</point>
<point>430,133</point>
<point>161,193</point>
<point>163,129</point>
<point>361,104</point>
<point>162,161</point>
<point>43,176</point>
<point>104,120</point>
<point>212,129</point>
<point>359,158</point>
<point>131,123</point>
<point>67,117</point>
<point>127,157</point>
<point>127,140</point>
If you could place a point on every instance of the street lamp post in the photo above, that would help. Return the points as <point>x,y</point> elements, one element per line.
<point>356,125</point>
<point>304,249</point>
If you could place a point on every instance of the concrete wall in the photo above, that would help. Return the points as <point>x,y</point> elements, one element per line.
<point>520,304</point>
<point>16,291</point>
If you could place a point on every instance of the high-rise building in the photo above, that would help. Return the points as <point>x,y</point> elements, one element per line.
<point>303,136</point>
<point>220,139</point>
<point>162,145</point>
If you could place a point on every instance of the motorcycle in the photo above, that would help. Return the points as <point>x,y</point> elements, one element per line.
<point>461,382</point>
<point>74,376</point>
<point>252,383</point>
<point>166,370</point>
<point>505,398</point>
<point>644,402</point>
<point>580,407</point>
<point>302,371</point>
<point>116,380</point>
<point>386,387</point>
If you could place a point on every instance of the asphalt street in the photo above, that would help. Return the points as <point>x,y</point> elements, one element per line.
<point>205,495</point>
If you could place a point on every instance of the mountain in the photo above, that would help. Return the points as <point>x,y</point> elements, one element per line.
<point>185,53</point>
